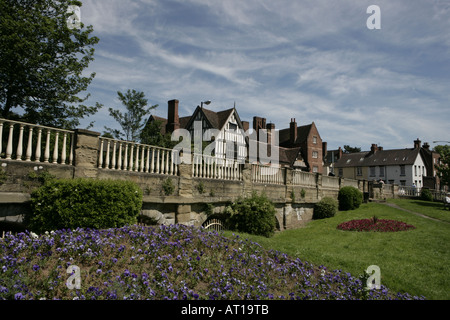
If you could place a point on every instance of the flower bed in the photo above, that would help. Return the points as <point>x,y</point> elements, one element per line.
<point>374,224</point>
<point>166,262</point>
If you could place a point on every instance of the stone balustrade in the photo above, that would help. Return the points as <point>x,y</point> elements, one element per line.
<point>29,142</point>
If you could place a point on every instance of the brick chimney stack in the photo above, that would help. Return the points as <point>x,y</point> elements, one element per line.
<point>293,131</point>
<point>417,144</point>
<point>173,121</point>
<point>374,148</point>
<point>270,128</point>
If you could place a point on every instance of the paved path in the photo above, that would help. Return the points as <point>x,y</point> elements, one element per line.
<point>393,205</point>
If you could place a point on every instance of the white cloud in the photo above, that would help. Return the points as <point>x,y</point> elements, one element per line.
<point>312,60</point>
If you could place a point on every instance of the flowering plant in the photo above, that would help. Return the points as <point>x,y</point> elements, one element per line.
<point>374,224</point>
<point>164,262</point>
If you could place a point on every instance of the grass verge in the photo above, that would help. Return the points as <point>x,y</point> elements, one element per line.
<point>413,261</point>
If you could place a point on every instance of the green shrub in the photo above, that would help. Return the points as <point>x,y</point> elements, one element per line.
<point>254,215</point>
<point>425,194</point>
<point>168,187</point>
<point>349,198</point>
<point>325,208</point>
<point>86,203</point>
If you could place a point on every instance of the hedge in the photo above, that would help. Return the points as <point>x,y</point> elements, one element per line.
<point>349,198</point>
<point>84,203</point>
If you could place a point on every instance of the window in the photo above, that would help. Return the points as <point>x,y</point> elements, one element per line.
<point>359,171</point>
<point>372,171</point>
<point>341,172</point>
<point>315,140</point>
<point>415,171</point>
<point>382,171</point>
<point>403,182</point>
<point>315,169</point>
<point>402,170</point>
<point>315,154</point>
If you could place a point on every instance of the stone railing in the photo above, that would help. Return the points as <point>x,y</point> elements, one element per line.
<point>330,182</point>
<point>29,142</point>
<point>267,174</point>
<point>131,156</point>
<point>302,178</point>
<point>209,167</point>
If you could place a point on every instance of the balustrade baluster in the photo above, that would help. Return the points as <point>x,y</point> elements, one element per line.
<point>141,169</point>
<point>125,158</point>
<point>119,157</point>
<point>47,147</point>
<point>63,152</point>
<point>157,160</point>
<point>147,164</point>
<point>37,153</point>
<point>71,148</point>
<point>20,144</point>
<point>113,160</point>
<point>55,149</point>
<point>9,146</point>
<point>100,155</point>
<point>108,145</point>
<point>131,158</point>
<point>136,168</point>
<point>152,161</point>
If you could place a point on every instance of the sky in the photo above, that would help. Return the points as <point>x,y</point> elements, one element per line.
<point>315,61</point>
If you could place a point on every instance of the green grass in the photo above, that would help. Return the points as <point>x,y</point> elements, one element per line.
<point>413,261</point>
<point>428,208</point>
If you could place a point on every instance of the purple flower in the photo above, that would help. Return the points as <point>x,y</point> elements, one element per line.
<point>36,267</point>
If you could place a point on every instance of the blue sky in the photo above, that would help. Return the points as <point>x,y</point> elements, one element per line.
<point>310,60</point>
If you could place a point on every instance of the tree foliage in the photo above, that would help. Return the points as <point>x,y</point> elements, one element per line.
<point>443,167</point>
<point>348,149</point>
<point>42,62</point>
<point>131,121</point>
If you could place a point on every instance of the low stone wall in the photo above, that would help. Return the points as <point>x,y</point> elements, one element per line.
<point>191,201</point>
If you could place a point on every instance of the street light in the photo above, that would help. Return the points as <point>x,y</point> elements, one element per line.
<point>205,102</point>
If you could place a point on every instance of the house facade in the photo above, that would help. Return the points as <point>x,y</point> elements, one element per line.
<point>298,147</point>
<point>405,167</point>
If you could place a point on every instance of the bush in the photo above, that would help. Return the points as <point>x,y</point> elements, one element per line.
<point>426,195</point>
<point>254,215</point>
<point>84,203</point>
<point>325,208</point>
<point>349,198</point>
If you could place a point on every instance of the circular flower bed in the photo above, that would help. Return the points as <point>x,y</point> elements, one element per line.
<point>374,224</point>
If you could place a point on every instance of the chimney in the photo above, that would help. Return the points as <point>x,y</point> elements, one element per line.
<point>340,152</point>
<point>426,146</point>
<point>258,123</point>
<point>324,150</point>
<point>292,131</point>
<point>380,148</point>
<point>245,125</point>
<point>417,143</point>
<point>173,121</point>
<point>374,148</point>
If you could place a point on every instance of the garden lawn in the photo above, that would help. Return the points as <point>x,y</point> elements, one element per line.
<point>413,261</point>
<point>431,209</point>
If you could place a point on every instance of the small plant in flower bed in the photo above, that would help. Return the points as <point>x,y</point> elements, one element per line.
<point>375,224</point>
<point>164,262</point>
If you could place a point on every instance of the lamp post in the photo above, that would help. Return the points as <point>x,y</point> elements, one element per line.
<point>205,102</point>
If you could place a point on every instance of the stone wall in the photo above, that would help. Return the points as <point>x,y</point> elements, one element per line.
<point>192,199</point>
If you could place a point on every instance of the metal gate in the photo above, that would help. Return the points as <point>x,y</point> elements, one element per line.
<point>213,224</point>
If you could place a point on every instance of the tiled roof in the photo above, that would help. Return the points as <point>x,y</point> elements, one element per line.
<point>379,158</point>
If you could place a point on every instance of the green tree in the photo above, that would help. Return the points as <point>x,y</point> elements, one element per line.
<point>348,149</point>
<point>42,60</point>
<point>151,134</point>
<point>443,167</point>
<point>131,121</point>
